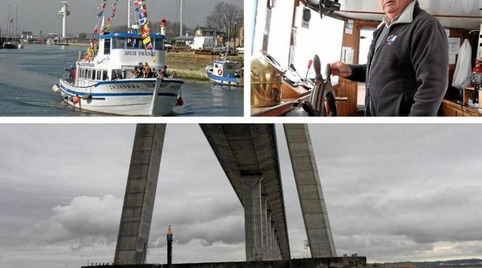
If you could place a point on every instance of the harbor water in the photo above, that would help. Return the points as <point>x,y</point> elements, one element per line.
<point>27,76</point>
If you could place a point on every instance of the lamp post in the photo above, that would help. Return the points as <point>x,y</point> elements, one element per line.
<point>169,246</point>
<point>235,34</point>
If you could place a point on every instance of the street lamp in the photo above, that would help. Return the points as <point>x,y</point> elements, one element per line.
<point>235,27</point>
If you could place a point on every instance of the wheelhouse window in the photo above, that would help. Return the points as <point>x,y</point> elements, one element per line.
<point>158,44</point>
<point>118,43</point>
<point>106,46</point>
<point>138,43</point>
<point>130,43</point>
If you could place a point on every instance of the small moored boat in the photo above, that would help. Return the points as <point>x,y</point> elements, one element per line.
<point>223,72</point>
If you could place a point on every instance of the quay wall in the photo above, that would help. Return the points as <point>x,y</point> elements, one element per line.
<point>3,39</point>
<point>341,262</point>
<point>191,65</point>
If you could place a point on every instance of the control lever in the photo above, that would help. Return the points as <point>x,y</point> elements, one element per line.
<point>307,70</point>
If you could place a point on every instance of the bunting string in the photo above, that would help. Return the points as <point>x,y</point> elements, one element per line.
<point>140,7</point>
<point>100,16</point>
<point>109,20</point>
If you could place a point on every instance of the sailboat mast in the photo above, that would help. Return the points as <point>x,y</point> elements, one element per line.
<point>180,22</point>
<point>16,24</point>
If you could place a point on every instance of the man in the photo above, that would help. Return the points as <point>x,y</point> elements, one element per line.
<point>407,69</point>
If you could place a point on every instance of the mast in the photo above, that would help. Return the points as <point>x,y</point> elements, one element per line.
<point>128,15</point>
<point>16,24</point>
<point>9,26</point>
<point>180,22</point>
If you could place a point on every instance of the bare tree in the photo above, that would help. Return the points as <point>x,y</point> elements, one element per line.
<point>225,16</point>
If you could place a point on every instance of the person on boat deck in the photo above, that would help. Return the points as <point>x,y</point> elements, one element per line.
<point>140,73</point>
<point>134,73</point>
<point>407,69</point>
<point>165,71</point>
<point>161,73</point>
<point>117,75</point>
<point>72,72</point>
<point>148,72</point>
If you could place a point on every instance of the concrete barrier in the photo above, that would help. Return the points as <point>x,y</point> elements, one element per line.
<point>341,262</point>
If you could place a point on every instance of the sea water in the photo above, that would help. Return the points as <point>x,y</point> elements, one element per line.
<point>27,76</point>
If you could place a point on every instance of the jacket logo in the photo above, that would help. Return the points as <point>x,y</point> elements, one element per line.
<point>391,39</point>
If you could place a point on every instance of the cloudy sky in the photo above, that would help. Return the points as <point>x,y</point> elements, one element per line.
<point>393,192</point>
<point>42,15</point>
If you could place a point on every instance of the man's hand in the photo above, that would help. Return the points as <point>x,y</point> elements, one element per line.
<point>341,69</point>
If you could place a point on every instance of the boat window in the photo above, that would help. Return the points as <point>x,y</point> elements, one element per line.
<point>118,43</point>
<point>130,43</point>
<point>98,75</point>
<point>104,75</point>
<point>82,73</point>
<point>158,44</point>
<point>89,73</point>
<point>138,43</point>
<point>305,51</point>
<point>117,74</point>
<point>106,46</point>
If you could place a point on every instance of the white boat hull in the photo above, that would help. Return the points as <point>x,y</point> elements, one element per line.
<point>124,97</point>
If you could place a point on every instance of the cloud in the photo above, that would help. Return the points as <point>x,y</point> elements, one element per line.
<point>85,222</point>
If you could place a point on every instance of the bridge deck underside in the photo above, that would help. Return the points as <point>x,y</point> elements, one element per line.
<point>251,150</point>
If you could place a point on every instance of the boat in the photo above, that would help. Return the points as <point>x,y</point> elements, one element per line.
<point>11,43</point>
<point>107,79</point>
<point>105,83</point>
<point>223,72</point>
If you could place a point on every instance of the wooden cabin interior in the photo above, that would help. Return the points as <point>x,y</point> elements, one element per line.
<point>280,30</point>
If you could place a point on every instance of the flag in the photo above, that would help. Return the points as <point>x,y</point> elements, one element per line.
<point>104,3</point>
<point>142,21</point>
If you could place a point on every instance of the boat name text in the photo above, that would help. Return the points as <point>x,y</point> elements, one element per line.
<point>124,86</point>
<point>138,53</point>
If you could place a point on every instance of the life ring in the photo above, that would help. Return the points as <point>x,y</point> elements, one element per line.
<point>220,72</point>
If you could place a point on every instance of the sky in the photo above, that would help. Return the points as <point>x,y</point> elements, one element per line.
<point>36,16</point>
<point>393,193</point>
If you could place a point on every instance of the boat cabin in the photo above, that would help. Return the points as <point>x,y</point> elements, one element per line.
<point>292,32</point>
<point>224,68</point>
<point>115,57</point>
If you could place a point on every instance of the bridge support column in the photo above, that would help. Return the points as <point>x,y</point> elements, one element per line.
<point>253,217</point>
<point>269,237</point>
<point>139,197</point>
<point>277,250</point>
<point>313,207</point>
<point>264,216</point>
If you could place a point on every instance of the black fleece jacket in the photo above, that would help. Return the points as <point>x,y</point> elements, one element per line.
<point>408,74</point>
